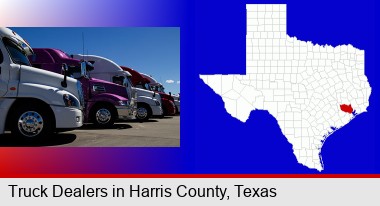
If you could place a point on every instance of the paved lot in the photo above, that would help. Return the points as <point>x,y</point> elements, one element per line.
<point>163,132</point>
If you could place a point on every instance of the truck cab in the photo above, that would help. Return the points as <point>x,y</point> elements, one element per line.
<point>177,101</point>
<point>171,106</point>
<point>158,87</point>
<point>148,103</point>
<point>34,103</point>
<point>105,102</point>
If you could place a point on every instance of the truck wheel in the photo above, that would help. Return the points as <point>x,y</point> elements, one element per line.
<point>31,123</point>
<point>143,113</point>
<point>104,116</point>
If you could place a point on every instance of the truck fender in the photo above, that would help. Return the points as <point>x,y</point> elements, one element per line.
<point>5,105</point>
<point>107,97</point>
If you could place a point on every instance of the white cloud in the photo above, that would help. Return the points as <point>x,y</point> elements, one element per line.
<point>178,82</point>
<point>169,81</point>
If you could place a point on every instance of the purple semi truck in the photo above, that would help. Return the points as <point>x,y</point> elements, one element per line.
<point>105,102</point>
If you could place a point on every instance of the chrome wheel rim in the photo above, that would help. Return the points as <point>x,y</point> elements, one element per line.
<point>142,113</point>
<point>103,116</point>
<point>30,124</point>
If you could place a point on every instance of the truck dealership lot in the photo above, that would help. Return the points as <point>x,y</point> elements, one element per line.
<point>164,132</point>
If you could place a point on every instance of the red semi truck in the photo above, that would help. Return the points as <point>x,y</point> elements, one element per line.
<point>141,81</point>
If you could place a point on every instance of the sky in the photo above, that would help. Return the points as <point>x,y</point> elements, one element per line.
<point>151,50</point>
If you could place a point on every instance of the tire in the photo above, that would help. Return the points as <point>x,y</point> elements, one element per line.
<point>103,116</point>
<point>143,112</point>
<point>31,123</point>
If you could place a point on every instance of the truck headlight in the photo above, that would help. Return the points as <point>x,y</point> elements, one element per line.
<point>70,101</point>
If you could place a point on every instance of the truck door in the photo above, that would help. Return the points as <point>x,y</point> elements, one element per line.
<point>3,75</point>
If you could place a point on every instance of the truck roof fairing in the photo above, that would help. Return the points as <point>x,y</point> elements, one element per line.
<point>102,64</point>
<point>151,79</point>
<point>5,32</point>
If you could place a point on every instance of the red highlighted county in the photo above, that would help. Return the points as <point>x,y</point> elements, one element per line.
<point>346,108</point>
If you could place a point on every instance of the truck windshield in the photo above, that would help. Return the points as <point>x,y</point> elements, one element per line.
<point>162,89</point>
<point>120,80</point>
<point>147,86</point>
<point>16,52</point>
<point>158,88</point>
<point>153,88</point>
<point>75,72</point>
<point>75,75</point>
<point>128,81</point>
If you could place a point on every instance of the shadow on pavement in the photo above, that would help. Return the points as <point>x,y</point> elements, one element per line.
<point>115,126</point>
<point>165,117</point>
<point>138,121</point>
<point>7,140</point>
<point>150,120</point>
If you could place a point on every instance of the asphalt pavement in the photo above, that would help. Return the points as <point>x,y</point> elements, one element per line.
<point>160,132</point>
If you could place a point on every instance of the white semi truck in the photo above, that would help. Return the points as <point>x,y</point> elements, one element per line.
<point>34,103</point>
<point>148,102</point>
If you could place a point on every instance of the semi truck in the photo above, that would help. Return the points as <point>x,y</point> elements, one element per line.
<point>105,102</point>
<point>177,102</point>
<point>148,103</point>
<point>34,103</point>
<point>172,100</point>
<point>143,83</point>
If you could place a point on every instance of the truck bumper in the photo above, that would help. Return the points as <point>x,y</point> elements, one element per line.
<point>126,113</point>
<point>156,110</point>
<point>178,106</point>
<point>67,117</point>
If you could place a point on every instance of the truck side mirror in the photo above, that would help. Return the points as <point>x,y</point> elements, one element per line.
<point>86,66</point>
<point>65,70</point>
<point>83,70</point>
<point>170,93</point>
